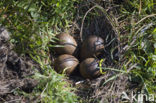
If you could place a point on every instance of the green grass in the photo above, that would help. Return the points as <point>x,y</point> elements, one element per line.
<point>141,31</point>
<point>139,44</point>
<point>33,24</point>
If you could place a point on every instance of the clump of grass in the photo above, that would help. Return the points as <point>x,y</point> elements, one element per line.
<point>29,21</point>
<point>54,87</point>
<point>140,50</point>
<point>137,39</point>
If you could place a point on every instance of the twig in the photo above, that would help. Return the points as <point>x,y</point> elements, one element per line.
<point>131,68</point>
<point>44,90</point>
<point>15,100</point>
<point>2,99</point>
<point>149,16</point>
<point>81,30</point>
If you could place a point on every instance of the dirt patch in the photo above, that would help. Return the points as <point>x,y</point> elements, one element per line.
<point>15,71</point>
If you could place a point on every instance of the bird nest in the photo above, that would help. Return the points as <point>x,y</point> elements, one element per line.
<point>110,86</point>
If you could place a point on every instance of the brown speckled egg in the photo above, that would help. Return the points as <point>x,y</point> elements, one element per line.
<point>66,63</point>
<point>89,68</point>
<point>92,47</point>
<point>68,42</point>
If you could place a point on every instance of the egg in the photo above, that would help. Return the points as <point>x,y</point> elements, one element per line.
<point>92,47</point>
<point>68,42</point>
<point>66,63</point>
<point>89,68</point>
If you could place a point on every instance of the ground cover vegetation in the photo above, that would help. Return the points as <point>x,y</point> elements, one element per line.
<point>33,25</point>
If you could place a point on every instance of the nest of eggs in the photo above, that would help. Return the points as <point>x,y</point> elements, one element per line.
<point>99,41</point>
<point>83,58</point>
<point>82,54</point>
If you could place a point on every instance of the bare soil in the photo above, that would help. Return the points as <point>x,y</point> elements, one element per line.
<point>15,73</point>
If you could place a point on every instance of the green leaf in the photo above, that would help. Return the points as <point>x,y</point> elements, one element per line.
<point>58,4</point>
<point>154,33</point>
